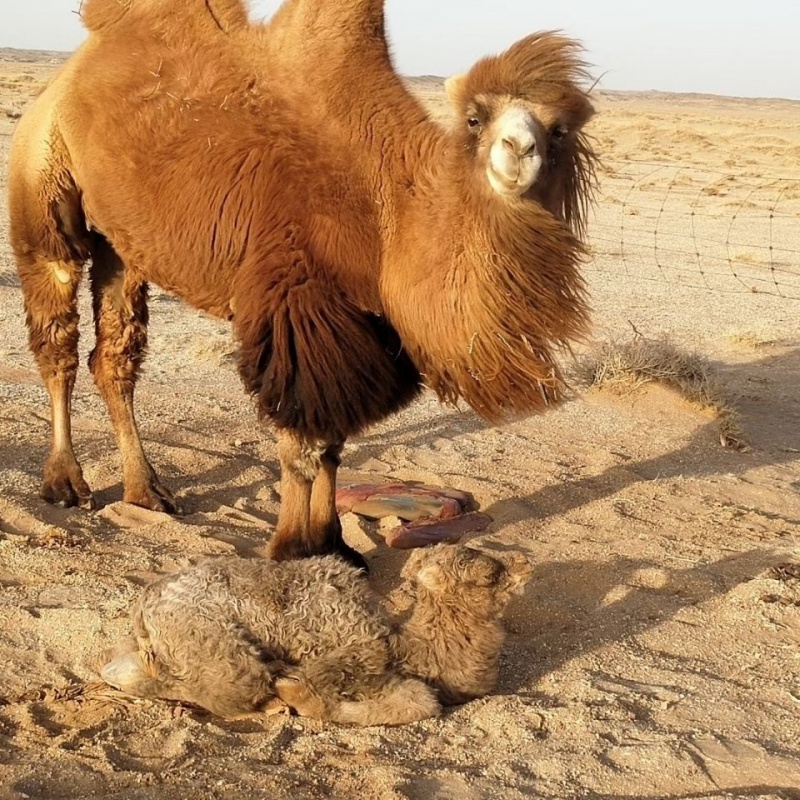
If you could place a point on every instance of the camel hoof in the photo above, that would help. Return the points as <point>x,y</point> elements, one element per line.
<point>291,549</point>
<point>64,486</point>
<point>352,556</point>
<point>124,672</point>
<point>153,496</point>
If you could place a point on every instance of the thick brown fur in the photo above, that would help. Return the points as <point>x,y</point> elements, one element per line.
<point>502,275</point>
<point>230,635</point>
<point>352,249</point>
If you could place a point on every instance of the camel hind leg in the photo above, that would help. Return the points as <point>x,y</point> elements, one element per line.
<point>47,234</point>
<point>178,654</point>
<point>50,290</point>
<point>120,317</point>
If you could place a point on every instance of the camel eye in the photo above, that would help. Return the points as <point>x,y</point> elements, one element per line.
<point>559,132</point>
<point>474,123</point>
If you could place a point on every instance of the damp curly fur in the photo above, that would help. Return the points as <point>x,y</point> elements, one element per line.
<point>281,176</point>
<point>232,636</point>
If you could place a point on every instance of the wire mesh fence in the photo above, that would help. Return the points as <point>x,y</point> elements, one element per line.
<point>713,230</point>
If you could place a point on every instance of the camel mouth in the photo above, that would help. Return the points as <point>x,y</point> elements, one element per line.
<point>514,183</point>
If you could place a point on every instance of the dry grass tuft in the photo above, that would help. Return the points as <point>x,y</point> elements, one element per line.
<point>753,340</point>
<point>639,361</point>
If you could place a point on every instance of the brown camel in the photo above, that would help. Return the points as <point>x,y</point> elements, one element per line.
<point>233,635</point>
<point>167,151</point>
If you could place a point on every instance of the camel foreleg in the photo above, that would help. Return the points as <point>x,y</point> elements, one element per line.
<point>356,685</point>
<point>120,315</point>
<point>308,523</point>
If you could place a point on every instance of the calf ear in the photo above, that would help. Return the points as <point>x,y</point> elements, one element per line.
<point>431,577</point>
<point>452,87</point>
<point>518,572</point>
<point>413,563</point>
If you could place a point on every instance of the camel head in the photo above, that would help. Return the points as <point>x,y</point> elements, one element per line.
<point>482,582</point>
<point>521,115</point>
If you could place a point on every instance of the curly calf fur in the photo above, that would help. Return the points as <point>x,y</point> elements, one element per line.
<point>233,635</point>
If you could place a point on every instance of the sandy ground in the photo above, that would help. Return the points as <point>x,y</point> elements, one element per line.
<point>656,652</point>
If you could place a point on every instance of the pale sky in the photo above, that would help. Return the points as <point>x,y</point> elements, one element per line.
<point>729,47</point>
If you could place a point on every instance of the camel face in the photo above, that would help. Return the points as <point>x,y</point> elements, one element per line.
<point>521,115</point>
<point>462,571</point>
<point>517,147</point>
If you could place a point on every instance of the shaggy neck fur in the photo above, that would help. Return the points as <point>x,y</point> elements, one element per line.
<point>482,305</point>
<point>451,646</point>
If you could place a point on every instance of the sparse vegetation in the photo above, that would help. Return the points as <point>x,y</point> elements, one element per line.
<point>632,364</point>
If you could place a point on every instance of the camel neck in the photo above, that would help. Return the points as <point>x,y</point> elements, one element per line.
<point>451,647</point>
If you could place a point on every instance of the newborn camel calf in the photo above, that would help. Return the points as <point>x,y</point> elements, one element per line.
<point>239,636</point>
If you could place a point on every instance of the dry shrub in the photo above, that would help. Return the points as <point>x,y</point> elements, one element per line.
<point>632,364</point>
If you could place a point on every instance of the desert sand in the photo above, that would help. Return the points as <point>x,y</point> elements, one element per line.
<point>656,651</point>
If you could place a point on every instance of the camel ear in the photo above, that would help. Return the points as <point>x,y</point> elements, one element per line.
<point>413,563</point>
<point>452,87</point>
<point>518,572</point>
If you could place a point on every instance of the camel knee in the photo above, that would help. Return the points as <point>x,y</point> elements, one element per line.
<point>116,359</point>
<point>120,317</point>
<point>50,295</point>
<point>53,340</point>
<point>300,456</point>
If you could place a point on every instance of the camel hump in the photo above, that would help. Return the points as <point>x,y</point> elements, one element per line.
<point>227,15</point>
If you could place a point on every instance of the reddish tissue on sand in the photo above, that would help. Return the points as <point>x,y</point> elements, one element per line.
<point>400,500</point>
<point>431,514</point>
<point>434,531</point>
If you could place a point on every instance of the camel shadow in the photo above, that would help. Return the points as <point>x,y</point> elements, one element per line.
<point>209,489</point>
<point>574,615</point>
<point>760,790</point>
<point>772,444</point>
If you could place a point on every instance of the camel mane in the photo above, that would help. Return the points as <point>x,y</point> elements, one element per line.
<point>513,298</point>
<point>546,66</point>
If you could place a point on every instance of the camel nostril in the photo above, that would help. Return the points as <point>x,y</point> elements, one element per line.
<point>518,149</point>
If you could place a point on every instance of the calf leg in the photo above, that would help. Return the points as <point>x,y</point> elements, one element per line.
<point>307,522</point>
<point>353,685</point>
<point>396,701</point>
<point>120,317</point>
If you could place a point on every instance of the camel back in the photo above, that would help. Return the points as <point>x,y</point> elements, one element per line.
<point>227,15</point>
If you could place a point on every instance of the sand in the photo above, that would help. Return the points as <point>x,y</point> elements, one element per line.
<point>656,651</point>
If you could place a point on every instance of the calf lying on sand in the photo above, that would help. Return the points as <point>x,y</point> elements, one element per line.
<point>239,636</point>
